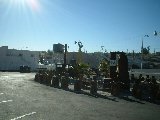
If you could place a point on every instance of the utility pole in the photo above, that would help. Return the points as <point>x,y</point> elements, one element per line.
<point>142,54</point>
<point>65,55</point>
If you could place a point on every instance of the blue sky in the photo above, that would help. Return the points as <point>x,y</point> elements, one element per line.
<point>117,25</point>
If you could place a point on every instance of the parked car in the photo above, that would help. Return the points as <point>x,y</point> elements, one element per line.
<point>24,69</point>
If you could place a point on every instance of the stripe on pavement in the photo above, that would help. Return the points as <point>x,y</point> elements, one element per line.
<point>29,114</point>
<point>5,101</point>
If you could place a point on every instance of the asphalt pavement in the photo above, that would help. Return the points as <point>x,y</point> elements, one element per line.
<point>23,98</point>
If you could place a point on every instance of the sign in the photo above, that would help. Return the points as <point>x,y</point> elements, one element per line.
<point>113,62</point>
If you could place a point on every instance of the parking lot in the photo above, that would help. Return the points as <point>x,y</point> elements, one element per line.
<point>23,98</point>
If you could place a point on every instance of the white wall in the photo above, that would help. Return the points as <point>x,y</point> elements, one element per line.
<point>11,59</point>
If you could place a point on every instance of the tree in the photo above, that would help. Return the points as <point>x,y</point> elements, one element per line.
<point>77,70</point>
<point>146,50</point>
<point>104,67</point>
<point>50,53</point>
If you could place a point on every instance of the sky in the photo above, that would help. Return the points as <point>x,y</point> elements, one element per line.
<point>117,25</point>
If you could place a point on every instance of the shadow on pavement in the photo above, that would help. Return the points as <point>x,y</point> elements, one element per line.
<point>93,95</point>
<point>125,96</point>
<point>130,100</point>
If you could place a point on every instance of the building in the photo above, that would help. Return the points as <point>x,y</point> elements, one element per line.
<point>58,53</point>
<point>92,59</point>
<point>58,48</point>
<point>12,59</point>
